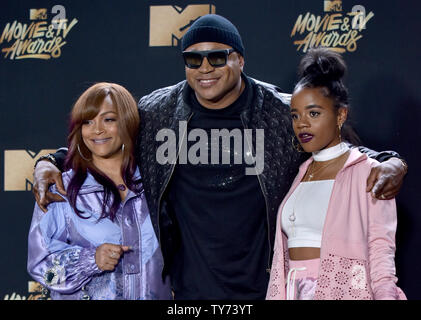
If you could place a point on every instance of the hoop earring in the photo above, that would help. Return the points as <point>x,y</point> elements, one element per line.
<point>78,149</point>
<point>295,145</point>
<point>122,148</point>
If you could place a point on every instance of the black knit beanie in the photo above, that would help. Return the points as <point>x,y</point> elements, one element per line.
<point>213,28</point>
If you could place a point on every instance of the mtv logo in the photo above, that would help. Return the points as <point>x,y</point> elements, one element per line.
<point>333,5</point>
<point>168,24</point>
<point>18,168</point>
<point>38,14</point>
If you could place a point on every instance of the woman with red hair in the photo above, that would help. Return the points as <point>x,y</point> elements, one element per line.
<point>99,243</point>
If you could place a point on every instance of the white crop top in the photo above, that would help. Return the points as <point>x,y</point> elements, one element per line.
<point>303,218</point>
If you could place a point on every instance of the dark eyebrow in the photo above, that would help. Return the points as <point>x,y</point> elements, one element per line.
<point>311,106</point>
<point>106,112</point>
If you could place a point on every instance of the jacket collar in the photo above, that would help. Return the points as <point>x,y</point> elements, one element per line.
<point>90,184</point>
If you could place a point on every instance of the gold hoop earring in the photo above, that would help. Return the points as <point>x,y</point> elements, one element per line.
<point>78,149</point>
<point>297,146</point>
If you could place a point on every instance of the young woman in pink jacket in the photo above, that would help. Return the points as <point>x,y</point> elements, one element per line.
<point>333,239</point>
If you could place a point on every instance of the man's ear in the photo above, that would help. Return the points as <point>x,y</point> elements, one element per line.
<point>241,61</point>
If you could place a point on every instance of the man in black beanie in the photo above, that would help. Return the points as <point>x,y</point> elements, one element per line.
<point>215,223</point>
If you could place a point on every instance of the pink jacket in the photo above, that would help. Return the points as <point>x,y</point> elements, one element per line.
<point>358,240</point>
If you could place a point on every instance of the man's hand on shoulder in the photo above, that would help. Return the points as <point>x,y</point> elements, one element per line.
<point>45,174</point>
<point>386,178</point>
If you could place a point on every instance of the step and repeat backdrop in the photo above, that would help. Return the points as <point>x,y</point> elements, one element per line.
<point>51,51</point>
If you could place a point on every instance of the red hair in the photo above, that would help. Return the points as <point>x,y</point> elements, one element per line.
<point>86,108</point>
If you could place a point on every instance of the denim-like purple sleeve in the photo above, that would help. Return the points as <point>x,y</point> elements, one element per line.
<point>52,261</point>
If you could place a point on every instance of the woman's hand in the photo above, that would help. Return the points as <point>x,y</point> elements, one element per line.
<point>107,255</point>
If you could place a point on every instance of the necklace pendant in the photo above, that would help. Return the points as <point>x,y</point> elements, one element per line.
<point>292,219</point>
<point>121,187</point>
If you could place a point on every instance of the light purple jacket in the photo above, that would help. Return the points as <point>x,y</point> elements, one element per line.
<point>357,254</point>
<point>61,248</point>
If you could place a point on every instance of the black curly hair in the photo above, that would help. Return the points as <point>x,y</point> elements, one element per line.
<point>325,69</point>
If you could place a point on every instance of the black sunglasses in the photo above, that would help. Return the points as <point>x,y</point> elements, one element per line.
<point>216,58</point>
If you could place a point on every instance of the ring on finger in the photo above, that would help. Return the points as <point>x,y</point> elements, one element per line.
<point>113,255</point>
